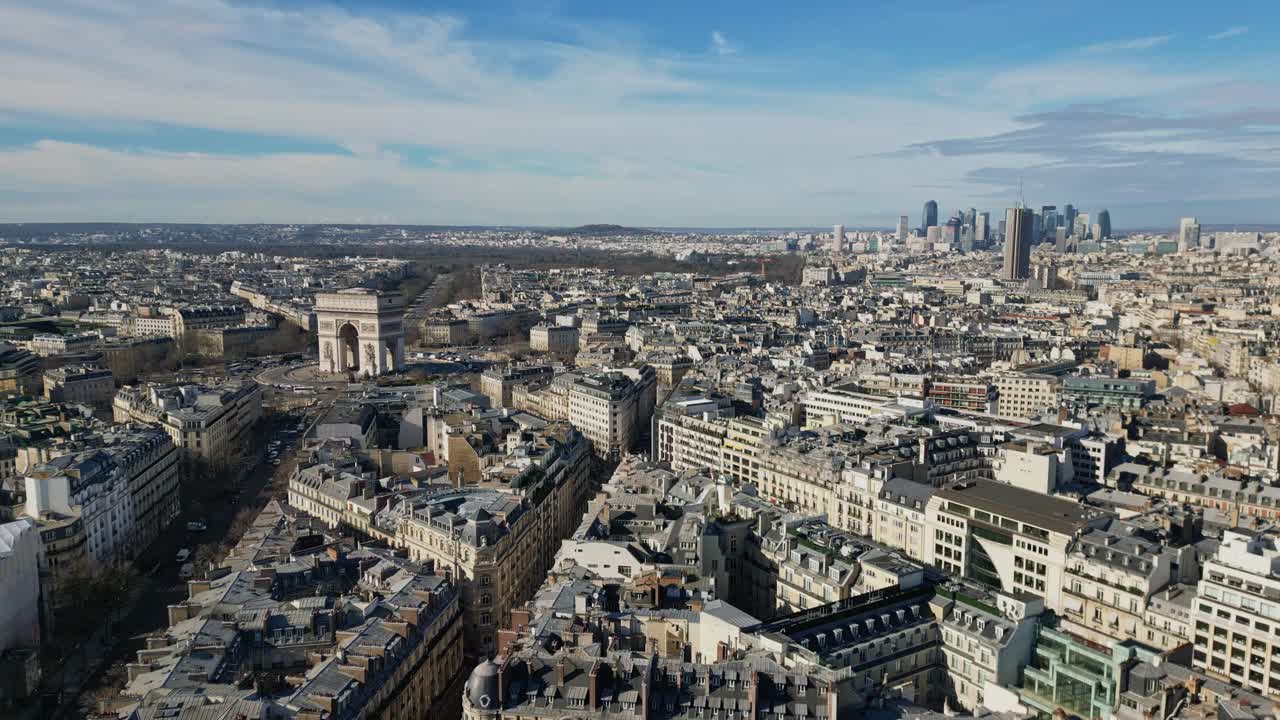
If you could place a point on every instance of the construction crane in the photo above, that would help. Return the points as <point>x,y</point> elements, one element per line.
<point>763,263</point>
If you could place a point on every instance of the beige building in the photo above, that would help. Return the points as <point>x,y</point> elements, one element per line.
<point>445,331</point>
<point>1024,395</point>
<point>497,541</point>
<point>556,339</point>
<point>81,385</point>
<point>19,371</point>
<point>1111,577</point>
<point>204,422</point>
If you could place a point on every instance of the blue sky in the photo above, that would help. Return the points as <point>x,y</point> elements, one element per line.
<point>655,113</point>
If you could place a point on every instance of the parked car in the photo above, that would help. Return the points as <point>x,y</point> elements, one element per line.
<point>187,571</point>
<point>196,526</point>
<point>183,554</point>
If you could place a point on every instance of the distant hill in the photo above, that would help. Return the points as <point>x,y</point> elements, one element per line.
<point>602,231</point>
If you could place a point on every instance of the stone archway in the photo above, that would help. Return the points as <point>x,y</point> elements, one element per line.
<point>348,348</point>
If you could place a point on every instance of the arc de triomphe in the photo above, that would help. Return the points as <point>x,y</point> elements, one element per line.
<point>361,331</point>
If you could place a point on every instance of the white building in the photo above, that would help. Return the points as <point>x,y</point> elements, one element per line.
<point>1188,234</point>
<point>92,487</point>
<point>20,578</point>
<point>1005,537</point>
<point>1237,612</point>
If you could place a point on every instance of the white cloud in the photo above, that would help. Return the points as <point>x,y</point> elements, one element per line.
<point>1230,32</point>
<point>1142,43</point>
<point>648,132</point>
<point>720,44</point>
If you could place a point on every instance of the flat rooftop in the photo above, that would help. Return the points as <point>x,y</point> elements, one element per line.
<point>1043,511</point>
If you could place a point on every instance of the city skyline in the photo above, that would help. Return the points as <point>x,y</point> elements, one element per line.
<point>305,113</point>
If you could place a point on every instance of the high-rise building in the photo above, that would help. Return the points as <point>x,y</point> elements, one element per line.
<point>1037,228</point>
<point>1081,227</point>
<point>1069,217</point>
<point>951,231</point>
<point>1019,224</point>
<point>930,217</point>
<point>1060,236</point>
<point>982,229</point>
<point>970,217</point>
<point>1103,221</point>
<point>1188,234</point>
<point>902,228</point>
<point>837,238</point>
<point>1048,220</point>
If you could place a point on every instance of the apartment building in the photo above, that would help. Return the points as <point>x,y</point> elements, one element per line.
<point>206,423</point>
<point>1026,395</point>
<point>82,506</point>
<point>19,372</point>
<point>814,564</point>
<point>205,317</point>
<point>80,385</point>
<point>496,383</point>
<point>151,466</point>
<point>691,433</point>
<point>1106,392</point>
<point>972,394</point>
<point>986,639</point>
<point>1113,573</point>
<point>555,339</point>
<point>495,541</point>
<point>20,612</point>
<point>1005,537</point>
<point>46,345</point>
<point>1237,612</point>
<point>847,405</point>
<point>613,408</point>
<point>152,325</point>
<point>446,331</point>
<point>364,633</point>
<point>739,455</point>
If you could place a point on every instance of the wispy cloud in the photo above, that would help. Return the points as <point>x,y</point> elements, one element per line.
<point>290,112</point>
<point>1230,32</point>
<point>720,44</point>
<point>1142,43</point>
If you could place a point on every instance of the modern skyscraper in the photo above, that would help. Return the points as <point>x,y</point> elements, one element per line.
<point>1188,234</point>
<point>837,238</point>
<point>1069,217</point>
<point>970,217</point>
<point>1081,227</point>
<point>1037,228</point>
<point>1060,239</point>
<point>1018,224</point>
<point>902,228</point>
<point>1103,221</point>
<point>930,217</point>
<point>982,229</point>
<point>1048,220</point>
<point>951,231</point>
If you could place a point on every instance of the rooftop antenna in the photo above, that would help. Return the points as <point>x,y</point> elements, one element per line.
<point>1021,203</point>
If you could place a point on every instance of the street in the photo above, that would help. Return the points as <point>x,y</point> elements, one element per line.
<point>161,585</point>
